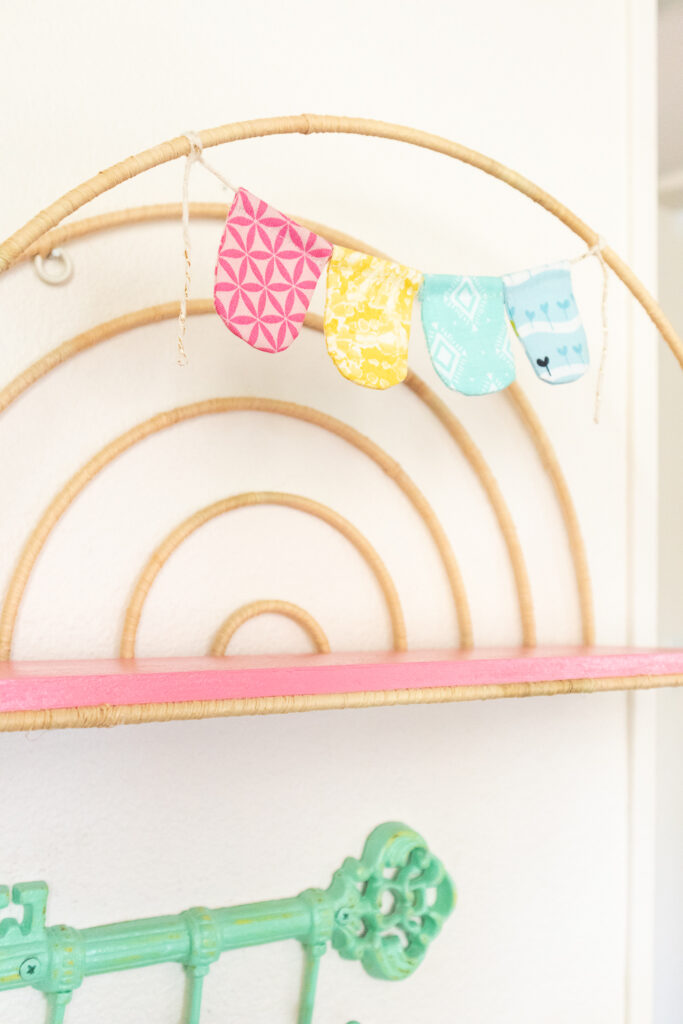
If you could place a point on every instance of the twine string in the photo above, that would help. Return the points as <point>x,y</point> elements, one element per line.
<point>196,155</point>
<point>596,250</point>
<point>603,307</point>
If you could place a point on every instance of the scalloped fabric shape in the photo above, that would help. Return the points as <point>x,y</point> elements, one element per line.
<point>545,318</point>
<point>368,309</point>
<point>266,272</point>
<point>467,332</point>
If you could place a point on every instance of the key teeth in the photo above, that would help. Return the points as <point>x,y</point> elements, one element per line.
<point>29,892</point>
<point>32,896</point>
<point>4,896</point>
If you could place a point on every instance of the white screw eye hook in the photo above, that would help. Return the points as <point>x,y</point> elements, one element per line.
<point>55,268</point>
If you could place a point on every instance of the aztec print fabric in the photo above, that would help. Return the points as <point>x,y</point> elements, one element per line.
<point>544,314</point>
<point>467,332</point>
<point>367,317</point>
<point>267,269</point>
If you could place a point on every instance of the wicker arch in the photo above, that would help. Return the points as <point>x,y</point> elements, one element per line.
<point>249,611</point>
<point>156,212</point>
<point>205,515</point>
<point>521,405</point>
<point>212,406</point>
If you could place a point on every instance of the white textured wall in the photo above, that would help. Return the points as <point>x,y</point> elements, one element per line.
<point>528,803</point>
<point>669,829</point>
<point>669,904</point>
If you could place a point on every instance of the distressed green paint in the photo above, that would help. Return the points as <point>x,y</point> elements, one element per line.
<point>57,1003</point>
<point>310,982</point>
<point>382,910</point>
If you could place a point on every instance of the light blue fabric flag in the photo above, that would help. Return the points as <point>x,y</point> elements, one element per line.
<point>467,332</point>
<point>544,314</point>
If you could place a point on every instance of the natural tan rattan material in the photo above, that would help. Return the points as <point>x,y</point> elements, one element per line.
<point>76,229</point>
<point>250,611</point>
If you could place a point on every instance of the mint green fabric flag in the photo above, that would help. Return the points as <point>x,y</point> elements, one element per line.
<point>467,332</point>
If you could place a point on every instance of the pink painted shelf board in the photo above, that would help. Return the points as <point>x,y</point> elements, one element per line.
<point>42,685</point>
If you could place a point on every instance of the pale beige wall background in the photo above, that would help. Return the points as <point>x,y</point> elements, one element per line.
<point>534,805</point>
<point>669,841</point>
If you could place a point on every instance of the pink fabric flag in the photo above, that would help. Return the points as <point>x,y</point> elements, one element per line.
<point>267,269</point>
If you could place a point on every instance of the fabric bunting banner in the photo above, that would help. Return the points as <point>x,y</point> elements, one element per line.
<point>268,267</point>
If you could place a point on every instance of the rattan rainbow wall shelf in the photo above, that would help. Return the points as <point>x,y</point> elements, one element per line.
<point>127,689</point>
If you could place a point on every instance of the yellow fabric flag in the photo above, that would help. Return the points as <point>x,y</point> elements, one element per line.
<point>368,308</point>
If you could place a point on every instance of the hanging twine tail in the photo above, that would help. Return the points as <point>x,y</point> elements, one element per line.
<point>596,250</point>
<point>598,247</point>
<point>196,155</point>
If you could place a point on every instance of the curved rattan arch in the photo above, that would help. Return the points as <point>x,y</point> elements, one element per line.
<point>212,406</point>
<point>295,612</point>
<point>305,124</point>
<point>298,502</point>
<point>523,408</point>
<point>82,228</point>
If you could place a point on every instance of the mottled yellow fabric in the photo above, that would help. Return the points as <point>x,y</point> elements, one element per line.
<point>368,308</point>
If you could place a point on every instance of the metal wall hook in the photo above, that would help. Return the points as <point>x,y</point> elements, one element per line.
<point>353,916</point>
<point>55,268</point>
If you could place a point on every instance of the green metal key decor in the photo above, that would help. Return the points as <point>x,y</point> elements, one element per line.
<point>383,910</point>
